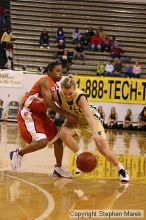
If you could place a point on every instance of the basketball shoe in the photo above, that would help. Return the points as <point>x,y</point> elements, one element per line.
<point>124,177</point>
<point>16,160</point>
<point>61,172</point>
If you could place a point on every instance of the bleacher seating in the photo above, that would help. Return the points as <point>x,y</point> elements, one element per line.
<point>126,20</point>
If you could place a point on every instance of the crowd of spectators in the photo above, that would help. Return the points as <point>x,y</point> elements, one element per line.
<point>90,40</point>
<point>98,40</point>
<point>117,68</point>
<point>127,123</point>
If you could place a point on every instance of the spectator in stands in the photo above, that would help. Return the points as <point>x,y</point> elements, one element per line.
<point>118,67</point>
<point>114,43</point>
<point>66,61</point>
<point>2,18</point>
<point>84,40</point>
<point>109,68</point>
<point>113,119</point>
<point>60,49</point>
<point>76,36</point>
<point>106,44</point>
<point>9,55</point>
<point>128,70</point>
<point>96,42</point>
<point>60,35</point>
<point>127,123</point>
<point>7,37</point>
<point>142,120</point>
<point>102,33</point>
<point>79,52</point>
<point>116,52</point>
<point>90,31</point>
<point>88,35</point>
<point>44,39</point>
<point>102,114</point>
<point>100,69</point>
<point>136,70</point>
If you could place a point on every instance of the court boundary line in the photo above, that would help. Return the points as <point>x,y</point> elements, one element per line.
<point>50,199</point>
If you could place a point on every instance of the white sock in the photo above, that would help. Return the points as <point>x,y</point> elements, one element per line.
<point>119,166</point>
<point>78,152</point>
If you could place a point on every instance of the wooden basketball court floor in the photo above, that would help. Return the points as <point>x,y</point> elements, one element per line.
<point>36,194</point>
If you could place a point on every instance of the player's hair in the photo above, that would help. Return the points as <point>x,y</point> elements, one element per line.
<point>68,82</point>
<point>51,66</point>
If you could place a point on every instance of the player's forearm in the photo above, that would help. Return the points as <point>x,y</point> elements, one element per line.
<point>58,109</point>
<point>91,122</point>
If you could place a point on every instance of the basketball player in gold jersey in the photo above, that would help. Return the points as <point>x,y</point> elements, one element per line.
<point>74,101</point>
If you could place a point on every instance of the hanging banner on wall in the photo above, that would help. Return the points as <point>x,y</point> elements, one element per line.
<point>113,89</point>
<point>10,78</point>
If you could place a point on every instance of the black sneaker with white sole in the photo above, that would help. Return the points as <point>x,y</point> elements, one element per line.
<point>124,177</point>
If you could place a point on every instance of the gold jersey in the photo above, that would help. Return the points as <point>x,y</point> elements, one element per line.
<point>73,107</point>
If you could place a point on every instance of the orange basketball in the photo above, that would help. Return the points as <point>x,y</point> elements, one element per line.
<point>86,162</point>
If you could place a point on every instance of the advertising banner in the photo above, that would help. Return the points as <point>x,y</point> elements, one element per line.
<point>113,89</point>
